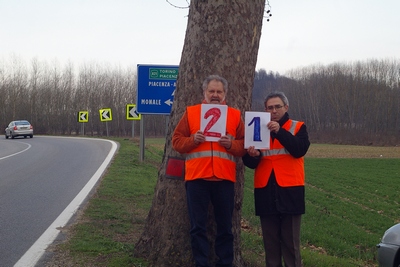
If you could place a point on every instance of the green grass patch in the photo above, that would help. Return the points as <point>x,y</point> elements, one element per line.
<point>350,202</point>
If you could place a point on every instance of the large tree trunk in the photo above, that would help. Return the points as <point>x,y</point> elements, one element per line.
<point>222,37</point>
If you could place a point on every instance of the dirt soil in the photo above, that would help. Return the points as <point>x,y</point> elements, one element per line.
<point>348,151</point>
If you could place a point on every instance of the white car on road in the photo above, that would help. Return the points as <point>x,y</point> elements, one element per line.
<point>19,128</point>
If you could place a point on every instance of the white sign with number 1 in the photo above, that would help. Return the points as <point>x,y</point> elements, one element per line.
<point>256,132</point>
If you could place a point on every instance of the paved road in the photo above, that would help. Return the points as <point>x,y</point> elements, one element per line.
<point>39,179</point>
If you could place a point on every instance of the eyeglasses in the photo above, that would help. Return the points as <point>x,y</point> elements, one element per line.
<point>271,108</point>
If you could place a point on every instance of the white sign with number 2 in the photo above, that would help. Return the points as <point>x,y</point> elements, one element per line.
<point>256,132</point>
<point>213,121</point>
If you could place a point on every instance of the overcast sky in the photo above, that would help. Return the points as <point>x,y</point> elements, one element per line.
<point>130,32</point>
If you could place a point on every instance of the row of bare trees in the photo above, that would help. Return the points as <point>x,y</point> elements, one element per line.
<point>356,103</point>
<point>50,97</point>
<point>343,102</point>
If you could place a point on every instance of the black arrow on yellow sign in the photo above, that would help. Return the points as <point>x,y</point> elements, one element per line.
<point>131,112</point>
<point>83,116</point>
<point>105,114</point>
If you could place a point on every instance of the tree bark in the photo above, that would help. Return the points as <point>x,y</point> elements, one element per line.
<point>222,37</point>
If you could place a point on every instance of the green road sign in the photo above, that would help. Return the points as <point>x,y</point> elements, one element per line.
<point>163,73</point>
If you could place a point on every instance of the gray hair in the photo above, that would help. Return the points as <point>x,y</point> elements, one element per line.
<point>281,95</point>
<point>215,78</point>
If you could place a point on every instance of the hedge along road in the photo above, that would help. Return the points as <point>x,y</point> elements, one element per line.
<point>43,181</point>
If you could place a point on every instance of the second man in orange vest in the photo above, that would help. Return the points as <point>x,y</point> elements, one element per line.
<point>279,183</point>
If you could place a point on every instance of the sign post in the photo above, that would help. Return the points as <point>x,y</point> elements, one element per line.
<point>105,115</point>
<point>132,114</point>
<point>83,116</point>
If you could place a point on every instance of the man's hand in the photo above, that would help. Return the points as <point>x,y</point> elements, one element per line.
<point>199,137</point>
<point>225,141</point>
<point>253,152</point>
<point>273,126</point>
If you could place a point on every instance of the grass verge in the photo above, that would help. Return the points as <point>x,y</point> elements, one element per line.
<point>350,202</point>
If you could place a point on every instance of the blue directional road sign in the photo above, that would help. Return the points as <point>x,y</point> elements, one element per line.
<point>156,87</point>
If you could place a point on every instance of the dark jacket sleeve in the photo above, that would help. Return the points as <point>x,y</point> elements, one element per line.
<point>297,145</point>
<point>251,162</point>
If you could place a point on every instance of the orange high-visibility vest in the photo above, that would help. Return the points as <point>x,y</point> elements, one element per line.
<point>289,171</point>
<point>210,159</point>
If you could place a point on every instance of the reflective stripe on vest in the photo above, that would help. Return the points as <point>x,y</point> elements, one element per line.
<point>281,151</point>
<point>209,153</point>
<point>293,127</point>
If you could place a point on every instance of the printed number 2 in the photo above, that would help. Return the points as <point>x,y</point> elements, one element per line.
<point>257,128</point>
<point>216,114</point>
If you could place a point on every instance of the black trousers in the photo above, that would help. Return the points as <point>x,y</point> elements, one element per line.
<point>281,236</point>
<point>200,194</point>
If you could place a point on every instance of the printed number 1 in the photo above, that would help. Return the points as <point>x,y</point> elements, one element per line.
<point>257,128</point>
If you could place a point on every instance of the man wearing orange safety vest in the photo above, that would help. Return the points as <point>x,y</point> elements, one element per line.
<point>279,183</point>
<point>210,173</point>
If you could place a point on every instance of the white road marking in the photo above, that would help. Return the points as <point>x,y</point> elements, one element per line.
<point>36,251</point>
<point>29,146</point>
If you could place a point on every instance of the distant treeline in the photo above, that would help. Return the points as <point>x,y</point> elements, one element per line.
<point>50,97</point>
<point>348,103</point>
